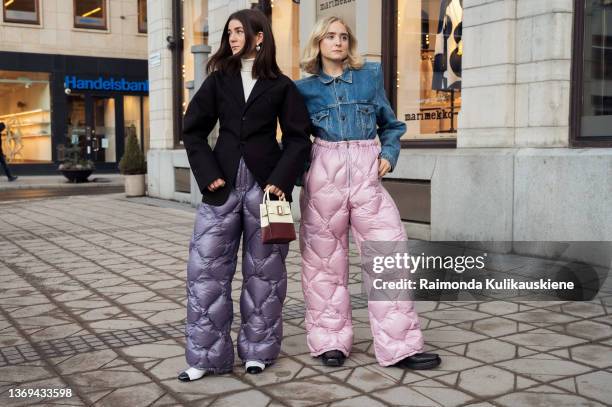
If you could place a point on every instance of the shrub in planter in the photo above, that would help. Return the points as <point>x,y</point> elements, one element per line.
<point>133,165</point>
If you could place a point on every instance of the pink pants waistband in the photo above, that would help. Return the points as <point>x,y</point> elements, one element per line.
<point>345,144</point>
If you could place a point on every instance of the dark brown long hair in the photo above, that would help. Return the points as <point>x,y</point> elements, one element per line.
<point>265,66</point>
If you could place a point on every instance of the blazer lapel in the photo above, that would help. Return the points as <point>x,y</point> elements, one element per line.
<point>260,87</point>
<point>234,83</point>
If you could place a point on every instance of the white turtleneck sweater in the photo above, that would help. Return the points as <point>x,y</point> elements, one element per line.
<point>246,72</point>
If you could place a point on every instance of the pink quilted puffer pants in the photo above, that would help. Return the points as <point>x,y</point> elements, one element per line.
<point>342,188</point>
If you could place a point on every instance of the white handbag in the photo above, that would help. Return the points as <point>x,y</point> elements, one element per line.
<point>276,220</point>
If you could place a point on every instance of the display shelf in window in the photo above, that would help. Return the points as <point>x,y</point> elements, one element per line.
<point>28,136</point>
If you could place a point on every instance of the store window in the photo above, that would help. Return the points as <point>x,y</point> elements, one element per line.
<point>194,32</point>
<point>90,14</point>
<point>427,68</point>
<point>189,28</point>
<point>136,120</point>
<point>25,110</point>
<point>142,16</point>
<point>592,74</point>
<point>286,30</point>
<point>21,11</point>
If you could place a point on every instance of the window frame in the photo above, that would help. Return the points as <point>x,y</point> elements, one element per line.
<point>105,5</point>
<point>577,84</point>
<point>389,64</point>
<point>5,19</point>
<point>141,30</point>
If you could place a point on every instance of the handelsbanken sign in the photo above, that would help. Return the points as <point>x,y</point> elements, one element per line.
<point>114,84</point>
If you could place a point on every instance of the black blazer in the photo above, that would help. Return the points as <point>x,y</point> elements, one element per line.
<point>248,130</point>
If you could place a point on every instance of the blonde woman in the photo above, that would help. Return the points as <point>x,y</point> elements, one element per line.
<point>348,107</point>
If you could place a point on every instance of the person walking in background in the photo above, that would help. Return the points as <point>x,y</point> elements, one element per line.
<point>348,108</point>
<point>3,163</point>
<point>247,93</point>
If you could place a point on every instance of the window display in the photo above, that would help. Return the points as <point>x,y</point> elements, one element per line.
<point>25,110</point>
<point>429,67</point>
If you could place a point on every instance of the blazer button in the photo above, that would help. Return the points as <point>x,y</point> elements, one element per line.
<point>243,118</point>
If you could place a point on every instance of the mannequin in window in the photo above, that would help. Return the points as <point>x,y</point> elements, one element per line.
<point>3,163</point>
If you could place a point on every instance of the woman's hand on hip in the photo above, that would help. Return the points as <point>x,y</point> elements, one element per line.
<point>216,184</point>
<point>275,190</point>
<point>384,166</point>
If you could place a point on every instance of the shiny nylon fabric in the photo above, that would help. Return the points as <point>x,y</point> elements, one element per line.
<point>342,188</point>
<point>211,266</point>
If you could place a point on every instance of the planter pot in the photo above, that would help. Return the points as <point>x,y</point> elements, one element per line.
<point>134,185</point>
<point>77,176</point>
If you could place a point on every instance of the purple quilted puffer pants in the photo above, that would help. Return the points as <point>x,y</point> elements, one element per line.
<point>212,263</point>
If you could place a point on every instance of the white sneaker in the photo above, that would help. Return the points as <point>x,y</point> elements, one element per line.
<point>254,366</point>
<point>191,374</point>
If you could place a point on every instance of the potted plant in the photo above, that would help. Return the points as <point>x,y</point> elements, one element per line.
<point>133,165</point>
<point>74,166</point>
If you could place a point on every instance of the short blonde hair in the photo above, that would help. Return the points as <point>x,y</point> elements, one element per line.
<point>311,57</point>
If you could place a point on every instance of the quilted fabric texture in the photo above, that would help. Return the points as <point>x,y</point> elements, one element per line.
<point>211,266</point>
<point>342,188</point>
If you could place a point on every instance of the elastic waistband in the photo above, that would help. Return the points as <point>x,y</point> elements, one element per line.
<point>345,144</point>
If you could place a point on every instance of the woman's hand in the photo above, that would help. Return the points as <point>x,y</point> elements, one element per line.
<point>216,184</point>
<point>384,166</point>
<point>275,190</point>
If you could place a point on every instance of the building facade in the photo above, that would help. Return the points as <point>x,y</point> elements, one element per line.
<point>508,106</point>
<point>72,72</point>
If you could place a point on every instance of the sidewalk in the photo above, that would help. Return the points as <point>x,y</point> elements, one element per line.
<point>92,299</point>
<point>59,181</point>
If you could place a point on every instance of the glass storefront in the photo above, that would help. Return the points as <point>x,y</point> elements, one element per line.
<point>428,77</point>
<point>92,124</point>
<point>25,109</point>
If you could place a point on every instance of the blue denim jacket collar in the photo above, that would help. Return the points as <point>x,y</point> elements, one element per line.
<point>347,76</point>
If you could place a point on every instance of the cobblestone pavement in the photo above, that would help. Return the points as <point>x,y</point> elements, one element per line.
<point>92,299</point>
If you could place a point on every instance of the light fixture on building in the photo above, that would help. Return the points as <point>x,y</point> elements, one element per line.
<point>8,3</point>
<point>94,11</point>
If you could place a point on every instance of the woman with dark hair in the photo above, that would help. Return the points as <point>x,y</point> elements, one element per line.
<point>247,93</point>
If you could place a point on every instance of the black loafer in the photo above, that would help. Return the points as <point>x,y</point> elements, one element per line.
<point>333,358</point>
<point>420,361</point>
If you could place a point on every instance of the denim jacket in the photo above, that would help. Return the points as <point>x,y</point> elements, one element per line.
<point>353,107</point>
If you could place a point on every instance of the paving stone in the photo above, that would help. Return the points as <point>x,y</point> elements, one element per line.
<point>543,338</point>
<point>583,309</point>
<point>404,396</point>
<point>589,330</point>
<point>245,398</point>
<point>596,355</point>
<point>491,350</point>
<point>141,395</point>
<point>495,326</point>
<point>486,381</point>
<point>87,362</point>
<point>544,367</point>
<point>311,391</point>
<point>444,396</point>
<point>540,399</point>
<point>596,385</point>
<point>361,401</point>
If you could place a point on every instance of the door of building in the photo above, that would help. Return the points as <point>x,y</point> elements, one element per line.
<point>92,123</point>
